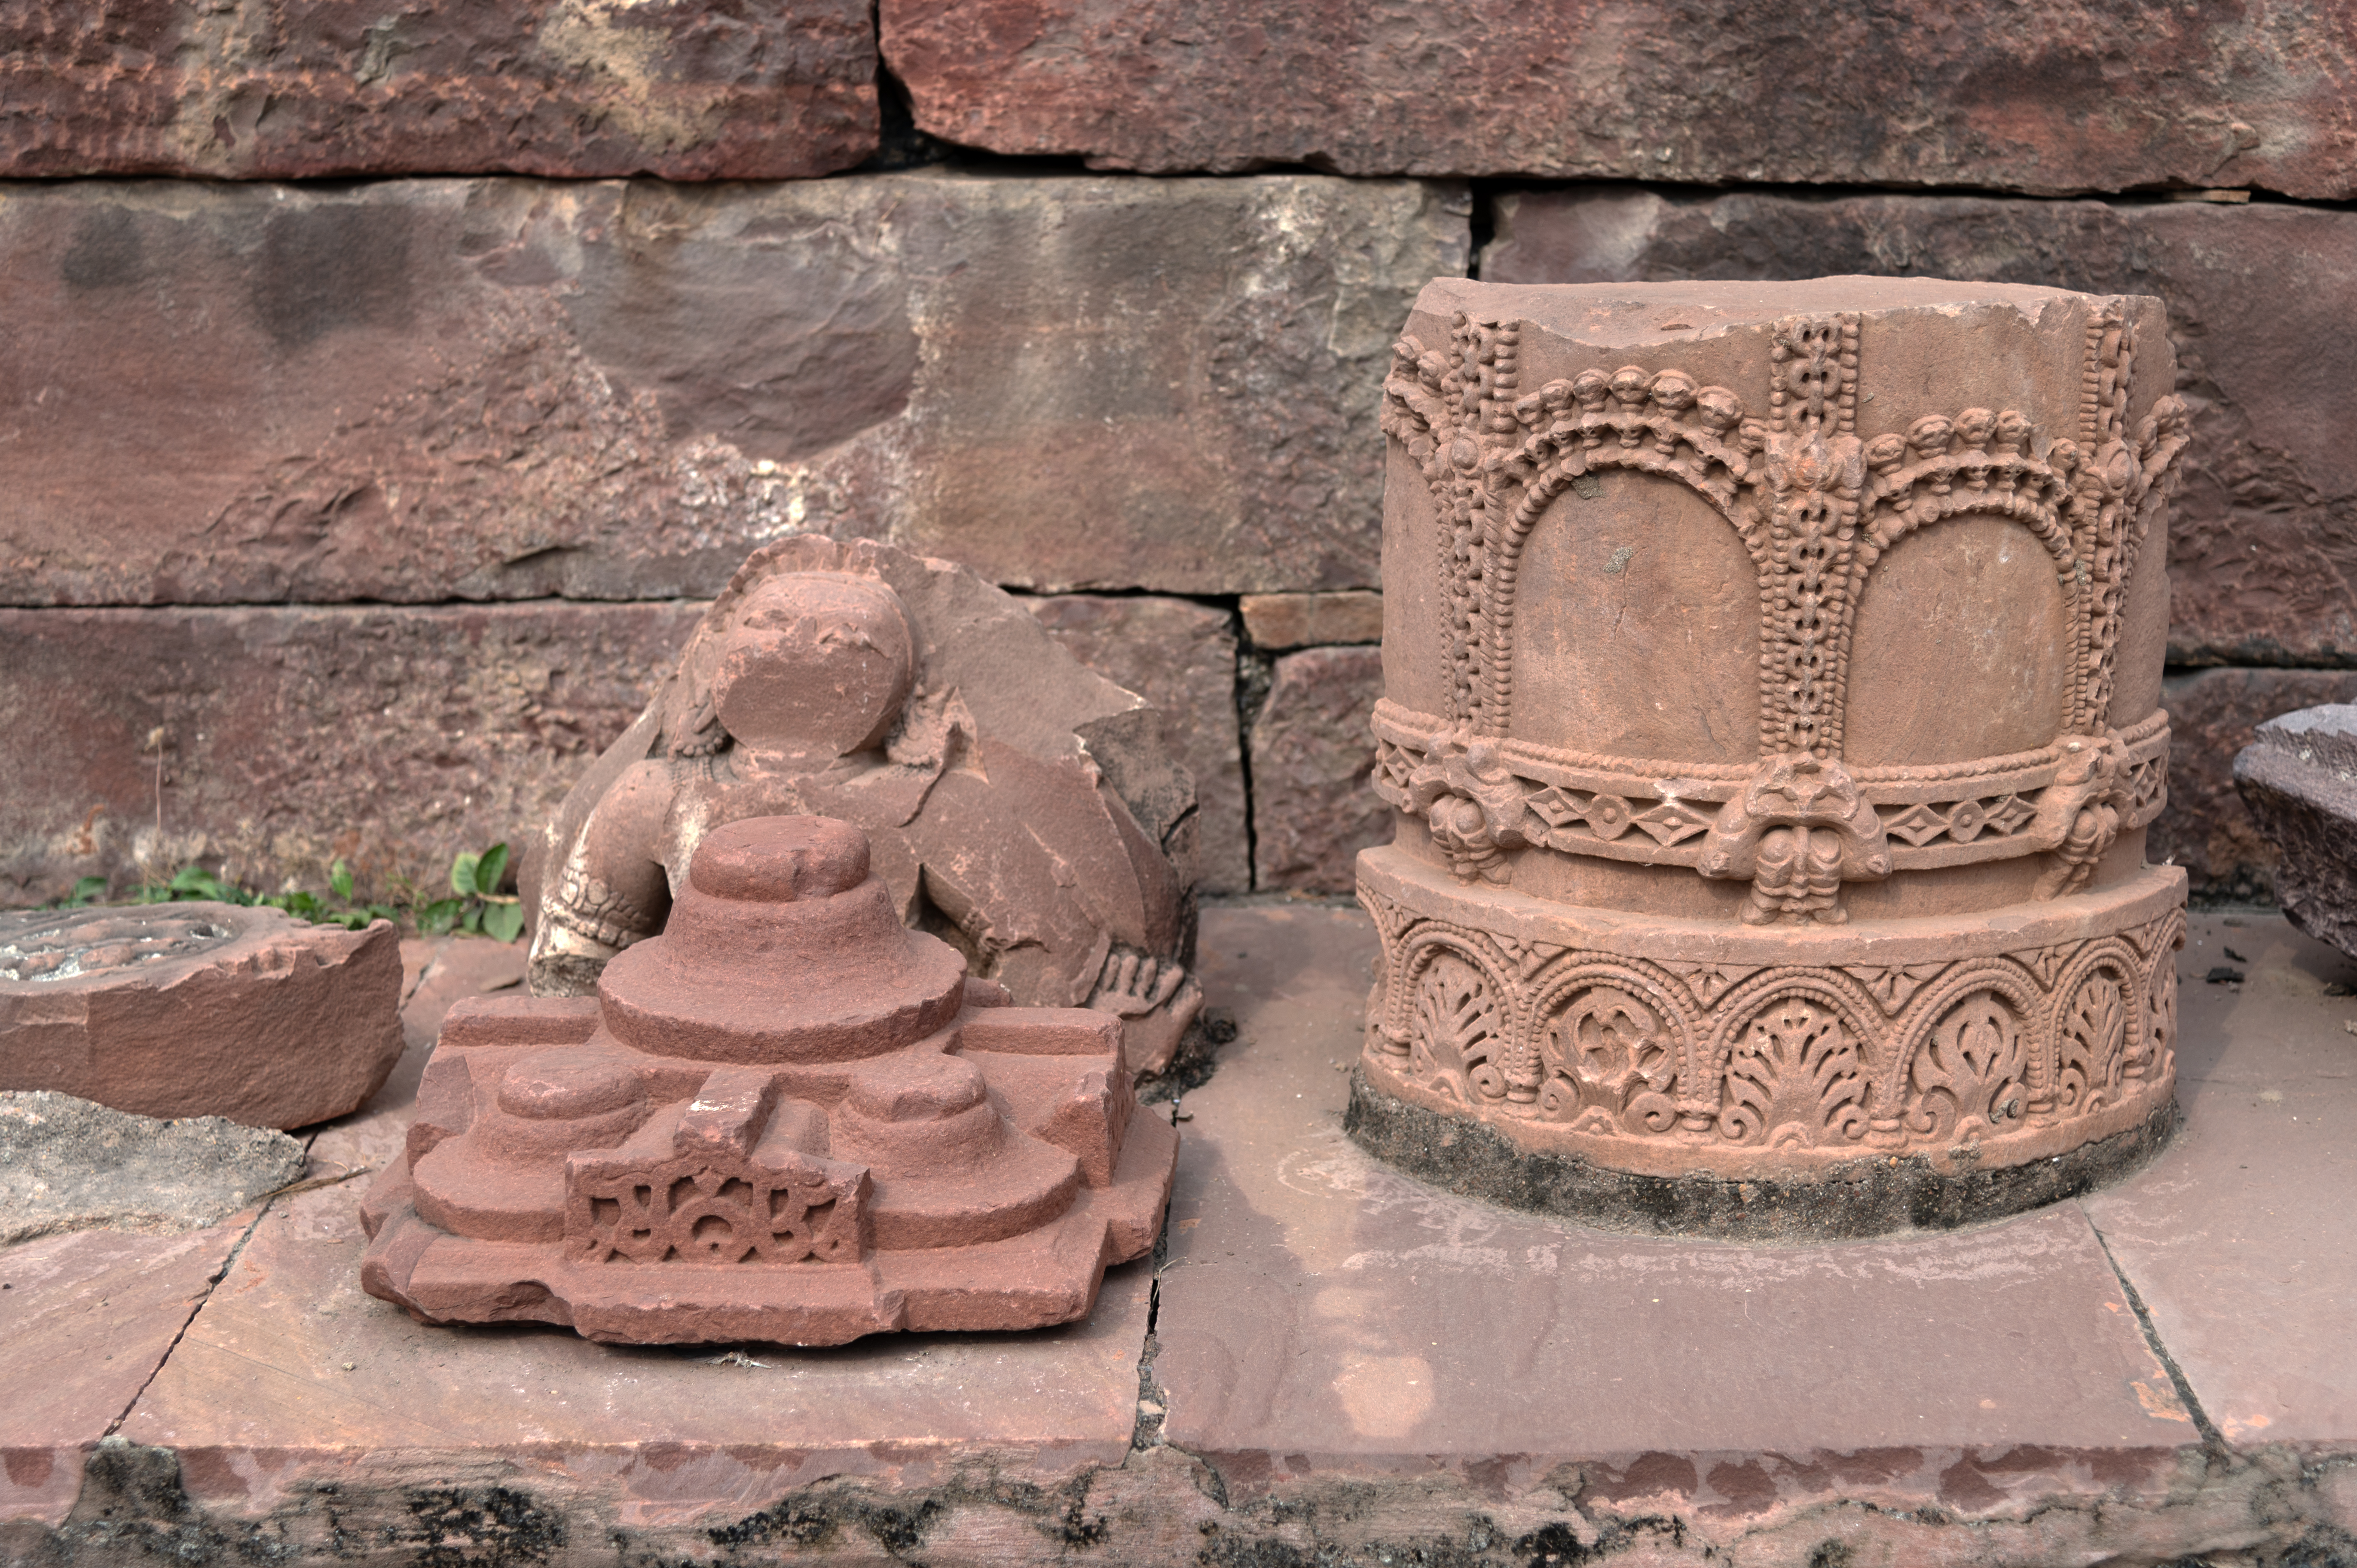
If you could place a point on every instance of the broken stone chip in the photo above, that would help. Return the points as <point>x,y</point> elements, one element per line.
<point>2298,775</point>
<point>200,1009</point>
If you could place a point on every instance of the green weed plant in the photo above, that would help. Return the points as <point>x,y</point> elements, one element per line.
<point>475,905</point>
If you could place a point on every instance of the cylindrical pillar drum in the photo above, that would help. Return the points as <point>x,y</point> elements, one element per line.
<point>1770,704</point>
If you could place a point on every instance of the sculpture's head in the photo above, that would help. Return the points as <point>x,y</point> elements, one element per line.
<point>814,666</point>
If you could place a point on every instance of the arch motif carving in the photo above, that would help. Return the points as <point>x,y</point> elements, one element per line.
<point>1602,1044</point>
<point>1609,1038</point>
<point>1973,1054</point>
<point>2098,1027</point>
<point>1815,508</point>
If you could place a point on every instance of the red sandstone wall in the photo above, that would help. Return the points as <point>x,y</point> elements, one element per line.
<point>349,518</point>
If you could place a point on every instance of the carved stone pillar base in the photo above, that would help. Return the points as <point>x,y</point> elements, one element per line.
<point>1771,679</point>
<point>1702,1075</point>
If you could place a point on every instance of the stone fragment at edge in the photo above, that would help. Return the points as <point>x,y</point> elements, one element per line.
<point>1771,715</point>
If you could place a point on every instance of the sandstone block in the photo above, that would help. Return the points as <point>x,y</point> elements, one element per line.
<point>300,90</point>
<point>2207,828</point>
<point>425,389</point>
<point>1279,621</point>
<point>2300,779</point>
<point>2263,547</point>
<point>2065,98</point>
<point>391,739</point>
<point>1181,658</point>
<point>68,1164</point>
<point>200,1009</point>
<point>1312,751</point>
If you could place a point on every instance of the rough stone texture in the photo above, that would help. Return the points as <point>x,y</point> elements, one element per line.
<point>200,1009</point>
<point>1181,658</point>
<point>1278,621</point>
<point>1311,754</point>
<point>71,1164</point>
<point>2299,778</point>
<point>392,738</point>
<point>301,90</point>
<point>1021,806</point>
<point>418,389</point>
<point>2070,96</point>
<point>2263,542</point>
<point>299,1420</point>
<point>786,1118</point>
<point>1771,795</point>
<point>2207,828</point>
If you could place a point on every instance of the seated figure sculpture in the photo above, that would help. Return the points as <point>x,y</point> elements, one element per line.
<point>787,1118</point>
<point>1019,806</point>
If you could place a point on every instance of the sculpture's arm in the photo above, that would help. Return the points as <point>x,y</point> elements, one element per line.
<point>612,889</point>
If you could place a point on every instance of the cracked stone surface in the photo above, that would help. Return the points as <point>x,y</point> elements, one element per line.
<point>2061,97</point>
<point>1984,1396</point>
<point>74,1165</point>
<point>305,90</point>
<point>417,390</point>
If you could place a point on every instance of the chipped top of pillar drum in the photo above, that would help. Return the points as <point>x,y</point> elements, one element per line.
<point>1763,625</point>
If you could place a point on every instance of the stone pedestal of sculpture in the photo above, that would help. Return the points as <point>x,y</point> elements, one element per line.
<point>1018,806</point>
<point>2298,777</point>
<point>1772,680</point>
<point>787,1118</point>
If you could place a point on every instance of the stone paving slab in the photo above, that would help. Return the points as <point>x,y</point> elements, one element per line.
<point>1343,1366</point>
<point>1323,1311</point>
<point>85,1320</point>
<point>2242,1237</point>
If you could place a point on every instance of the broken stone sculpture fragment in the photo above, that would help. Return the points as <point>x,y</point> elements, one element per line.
<point>200,1009</point>
<point>1771,679</point>
<point>788,1117</point>
<point>2298,777</point>
<point>1019,807</point>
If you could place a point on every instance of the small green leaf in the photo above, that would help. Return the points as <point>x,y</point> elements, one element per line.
<point>439,916</point>
<point>88,890</point>
<point>462,875</point>
<point>504,922</point>
<point>474,920</point>
<point>193,879</point>
<point>380,912</point>
<point>339,880</point>
<point>490,868</point>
